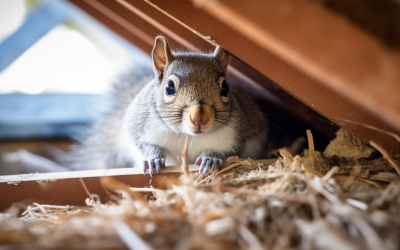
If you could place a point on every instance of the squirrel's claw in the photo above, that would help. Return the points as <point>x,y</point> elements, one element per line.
<point>208,164</point>
<point>156,164</point>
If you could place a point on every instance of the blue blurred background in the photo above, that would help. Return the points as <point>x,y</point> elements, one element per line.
<point>56,65</point>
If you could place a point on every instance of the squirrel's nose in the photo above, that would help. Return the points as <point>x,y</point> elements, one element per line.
<point>200,115</point>
<point>196,122</point>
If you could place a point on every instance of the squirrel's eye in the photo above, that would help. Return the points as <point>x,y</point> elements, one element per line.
<point>170,89</point>
<point>224,89</point>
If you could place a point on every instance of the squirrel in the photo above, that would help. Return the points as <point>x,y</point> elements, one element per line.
<point>184,94</point>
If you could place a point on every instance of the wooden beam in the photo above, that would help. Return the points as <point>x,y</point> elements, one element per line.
<point>66,188</point>
<point>322,44</point>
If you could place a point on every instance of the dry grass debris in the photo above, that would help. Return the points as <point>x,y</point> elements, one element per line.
<point>285,204</point>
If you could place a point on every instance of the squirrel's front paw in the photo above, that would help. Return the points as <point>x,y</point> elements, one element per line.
<point>208,163</point>
<point>156,163</point>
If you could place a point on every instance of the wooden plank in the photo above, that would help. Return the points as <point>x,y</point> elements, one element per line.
<point>65,188</point>
<point>323,99</point>
<point>323,45</point>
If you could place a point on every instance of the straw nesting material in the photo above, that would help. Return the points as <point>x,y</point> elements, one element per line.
<point>285,205</point>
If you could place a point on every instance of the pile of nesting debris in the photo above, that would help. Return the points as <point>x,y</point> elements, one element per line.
<point>344,198</point>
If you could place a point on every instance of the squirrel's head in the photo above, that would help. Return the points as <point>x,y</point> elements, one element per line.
<point>192,95</point>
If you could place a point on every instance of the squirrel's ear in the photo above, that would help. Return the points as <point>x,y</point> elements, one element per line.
<point>161,55</point>
<point>222,57</point>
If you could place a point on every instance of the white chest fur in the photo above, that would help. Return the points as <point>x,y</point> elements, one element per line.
<point>172,143</point>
